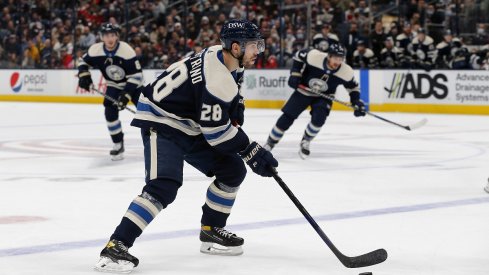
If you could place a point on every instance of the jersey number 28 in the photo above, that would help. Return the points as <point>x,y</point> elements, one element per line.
<point>177,74</point>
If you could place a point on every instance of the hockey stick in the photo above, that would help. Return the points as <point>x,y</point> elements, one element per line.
<point>116,102</point>
<point>407,127</point>
<point>372,258</point>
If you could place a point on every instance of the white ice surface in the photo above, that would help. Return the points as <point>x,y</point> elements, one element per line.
<point>369,184</point>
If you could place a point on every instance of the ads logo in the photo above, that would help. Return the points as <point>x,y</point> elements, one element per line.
<point>15,82</point>
<point>419,85</point>
<point>250,81</point>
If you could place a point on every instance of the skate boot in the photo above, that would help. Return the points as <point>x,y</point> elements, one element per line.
<point>218,241</point>
<point>117,152</point>
<point>304,152</point>
<point>116,258</point>
<point>270,144</point>
<point>487,186</point>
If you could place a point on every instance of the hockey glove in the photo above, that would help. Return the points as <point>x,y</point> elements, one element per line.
<point>294,81</point>
<point>123,99</point>
<point>84,80</point>
<point>359,108</point>
<point>260,160</point>
<point>237,115</point>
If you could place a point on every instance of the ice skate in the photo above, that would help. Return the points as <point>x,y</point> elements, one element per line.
<point>115,258</point>
<point>304,151</point>
<point>117,152</point>
<point>218,241</point>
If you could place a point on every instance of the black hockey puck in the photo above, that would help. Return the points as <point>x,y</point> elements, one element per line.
<point>365,273</point>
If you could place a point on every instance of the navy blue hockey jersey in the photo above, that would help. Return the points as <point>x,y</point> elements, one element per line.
<point>194,96</point>
<point>120,67</point>
<point>311,65</point>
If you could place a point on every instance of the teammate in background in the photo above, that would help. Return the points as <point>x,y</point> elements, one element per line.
<point>404,39</point>
<point>460,56</point>
<point>364,57</point>
<point>479,60</point>
<point>187,114</point>
<point>391,56</point>
<point>120,67</point>
<point>422,51</point>
<point>444,51</point>
<point>323,40</point>
<point>323,73</point>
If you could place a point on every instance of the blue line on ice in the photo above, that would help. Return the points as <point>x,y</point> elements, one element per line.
<point>248,226</point>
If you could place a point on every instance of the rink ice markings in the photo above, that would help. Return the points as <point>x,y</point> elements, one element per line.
<point>38,249</point>
<point>21,219</point>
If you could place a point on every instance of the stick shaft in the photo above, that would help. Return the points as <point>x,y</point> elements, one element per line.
<point>371,258</point>
<point>111,99</point>
<point>307,89</point>
<point>308,217</point>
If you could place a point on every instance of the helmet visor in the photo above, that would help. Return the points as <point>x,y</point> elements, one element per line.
<point>255,45</point>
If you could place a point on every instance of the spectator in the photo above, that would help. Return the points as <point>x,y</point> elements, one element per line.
<point>87,38</point>
<point>66,59</point>
<point>238,11</point>
<point>482,36</point>
<point>377,38</point>
<point>13,49</point>
<point>350,13</point>
<point>154,25</point>
<point>434,15</point>
<point>27,60</point>
<point>351,42</point>
<point>46,54</point>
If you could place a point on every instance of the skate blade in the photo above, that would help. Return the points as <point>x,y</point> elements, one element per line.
<point>107,265</point>
<point>302,155</point>
<point>216,249</point>
<point>117,157</point>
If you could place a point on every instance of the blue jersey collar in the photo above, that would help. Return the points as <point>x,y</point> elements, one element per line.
<point>111,53</point>
<point>327,70</point>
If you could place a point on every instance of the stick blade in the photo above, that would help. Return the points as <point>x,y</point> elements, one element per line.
<point>417,124</point>
<point>372,258</point>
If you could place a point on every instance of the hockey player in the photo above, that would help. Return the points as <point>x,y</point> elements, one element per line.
<point>117,62</point>
<point>322,41</point>
<point>323,73</point>
<point>186,114</point>
<point>391,56</point>
<point>364,57</point>
<point>460,56</point>
<point>444,51</point>
<point>404,39</point>
<point>422,51</point>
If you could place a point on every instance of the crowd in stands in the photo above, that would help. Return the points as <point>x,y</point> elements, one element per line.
<point>416,34</point>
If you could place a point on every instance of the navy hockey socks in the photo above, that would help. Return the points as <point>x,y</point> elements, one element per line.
<point>115,130</point>
<point>311,132</point>
<point>143,209</point>
<point>219,201</point>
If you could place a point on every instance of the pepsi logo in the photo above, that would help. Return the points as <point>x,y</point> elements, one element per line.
<point>15,82</point>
